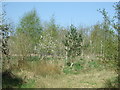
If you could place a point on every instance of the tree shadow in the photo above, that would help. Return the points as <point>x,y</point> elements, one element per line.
<point>111,83</point>
<point>9,80</point>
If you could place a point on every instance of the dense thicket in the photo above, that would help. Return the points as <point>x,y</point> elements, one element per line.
<point>31,37</point>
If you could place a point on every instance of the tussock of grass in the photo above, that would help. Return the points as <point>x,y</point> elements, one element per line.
<point>43,68</point>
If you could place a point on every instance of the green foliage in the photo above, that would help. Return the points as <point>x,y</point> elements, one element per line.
<point>84,65</point>
<point>50,43</point>
<point>72,42</point>
<point>30,84</point>
<point>67,70</point>
<point>77,66</point>
<point>85,31</point>
<point>103,42</point>
<point>94,64</point>
<point>52,27</point>
<point>31,26</point>
<point>33,58</point>
<point>20,45</point>
<point>47,45</point>
<point>110,39</point>
<point>5,28</point>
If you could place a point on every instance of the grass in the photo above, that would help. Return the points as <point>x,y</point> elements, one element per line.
<point>93,79</point>
<point>29,84</point>
<point>111,83</point>
<point>85,73</point>
<point>44,68</point>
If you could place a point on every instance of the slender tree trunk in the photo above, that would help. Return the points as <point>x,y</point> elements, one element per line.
<point>66,60</point>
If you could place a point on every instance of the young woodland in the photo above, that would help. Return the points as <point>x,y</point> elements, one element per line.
<point>46,55</point>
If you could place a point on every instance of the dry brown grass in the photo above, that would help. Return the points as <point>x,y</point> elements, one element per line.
<point>44,68</point>
<point>48,74</point>
<point>93,79</point>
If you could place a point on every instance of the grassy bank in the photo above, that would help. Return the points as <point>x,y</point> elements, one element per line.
<point>54,73</point>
